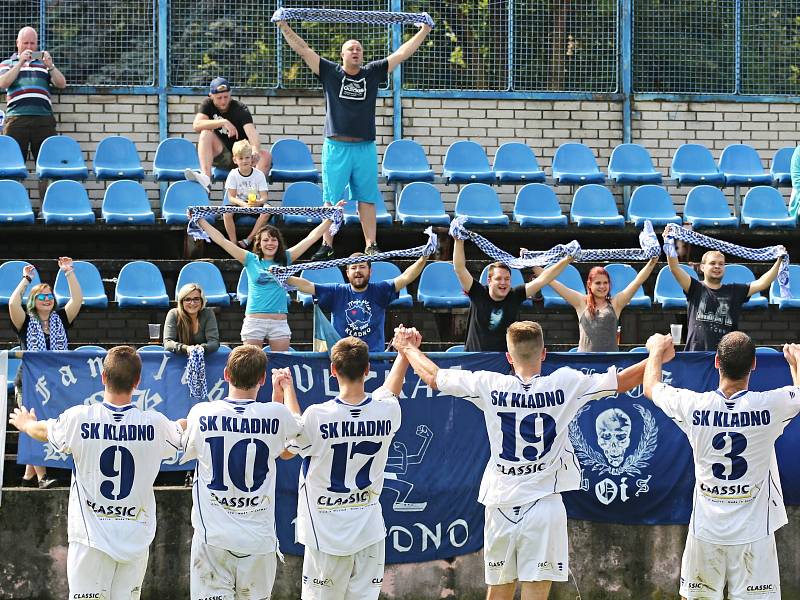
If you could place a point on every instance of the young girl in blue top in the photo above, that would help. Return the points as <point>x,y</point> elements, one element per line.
<point>267,303</point>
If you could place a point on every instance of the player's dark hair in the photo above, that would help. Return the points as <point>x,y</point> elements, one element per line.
<point>274,232</point>
<point>246,366</point>
<point>350,358</point>
<point>736,353</point>
<point>525,339</point>
<point>122,369</point>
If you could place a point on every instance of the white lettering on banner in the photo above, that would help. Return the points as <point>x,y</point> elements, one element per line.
<point>143,400</point>
<point>95,365</point>
<point>185,375</point>
<point>421,385</point>
<point>298,378</point>
<point>451,531</point>
<point>160,373</point>
<point>400,534</point>
<point>94,398</point>
<point>67,378</point>
<point>51,453</point>
<point>218,391</point>
<point>41,389</point>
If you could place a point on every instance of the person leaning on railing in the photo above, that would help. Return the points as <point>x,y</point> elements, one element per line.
<point>191,323</point>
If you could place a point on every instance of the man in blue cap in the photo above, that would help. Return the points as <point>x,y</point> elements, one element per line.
<point>221,122</point>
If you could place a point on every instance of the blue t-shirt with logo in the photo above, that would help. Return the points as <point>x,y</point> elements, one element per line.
<point>350,99</point>
<point>358,314</point>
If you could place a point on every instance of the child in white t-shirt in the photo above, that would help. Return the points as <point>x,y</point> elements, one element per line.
<point>245,186</point>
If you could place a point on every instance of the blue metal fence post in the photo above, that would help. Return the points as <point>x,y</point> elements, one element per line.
<point>163,65</point>
<point>737,33</point>
<point>279,50</point>
<point>397,76</point>
<point>510,80</point>
<point>626,75</point>
<point>42,24</point>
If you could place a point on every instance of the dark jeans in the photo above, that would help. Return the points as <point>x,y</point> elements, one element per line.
<point>30,131</point>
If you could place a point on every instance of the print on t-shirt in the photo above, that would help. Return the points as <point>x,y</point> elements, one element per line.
<point>358,315</point>
<point>353,89</point>
<point>495,318</point>
<point>716,314</point>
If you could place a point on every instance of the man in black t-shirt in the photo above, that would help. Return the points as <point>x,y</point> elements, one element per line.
<point>221,122</point>
<point>713,307</point>
<point>495,306</point>
<point>349,156</point>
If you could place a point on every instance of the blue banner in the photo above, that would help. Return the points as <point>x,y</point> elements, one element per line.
<point>637,464</point>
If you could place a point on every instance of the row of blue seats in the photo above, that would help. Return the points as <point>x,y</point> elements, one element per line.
<point>759,349</point>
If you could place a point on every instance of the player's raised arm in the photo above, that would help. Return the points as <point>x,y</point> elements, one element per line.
<point>406,342</point>
<point>661,350</point>
<point>27,423</point>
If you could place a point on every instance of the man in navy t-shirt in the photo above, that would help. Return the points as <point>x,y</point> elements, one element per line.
<point>358,308</point>
<point>349,156</point>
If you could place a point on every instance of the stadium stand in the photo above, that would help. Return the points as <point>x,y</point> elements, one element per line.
<point>125,203</point>
<point>60,157</point>
<point>571,278</point>
<point>516,163</point>
<point>66,202</point>
<point>291,161</point>
<point>793,301</point>
<point>575,164</point>
<point>594,206</point>
<point>439,287</point>
<point>116,157</point>
<point>208,277</point>
<point>140,284</point>
<point>92,288</point>
<point>742,167</point>
<point>479,204</point>
<point>692,164</point>
<point>405,161</point>
<point>780,167</point>
<point>383,270</point>
<point>652,203</point>
<point>420,203</point>
<point>763,206</point>
<point>10,274</point>
<point>301,194</point>
<point>466,162</point>
<point>667,292</point>
<point>12,165</point>
<point>736,273</point>
<point>630,164</point>
<point>15,206</point>
<point>382,216</point>
<point>327,275</point>
<point>537,206</point>
<point>706,206</point>
<point>173,157</point>
<point>179,197</point>
<point>621,276</point>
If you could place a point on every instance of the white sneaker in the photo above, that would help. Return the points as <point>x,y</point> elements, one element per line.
<point>199,177</point>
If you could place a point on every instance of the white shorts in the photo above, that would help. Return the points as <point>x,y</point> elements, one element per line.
<point>526,543</point>
<point>218,573</point>
<point>330,577</point>
<point>265,329</point>
<point>750,570</point>
<point>92,573</point>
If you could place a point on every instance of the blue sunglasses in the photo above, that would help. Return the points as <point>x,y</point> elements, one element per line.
<point>44,297</point>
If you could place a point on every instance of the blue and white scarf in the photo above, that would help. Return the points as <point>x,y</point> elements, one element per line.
<point>196,373</point>
<point>330,15</point>
<point>35,338</point>
<point>336,215</point>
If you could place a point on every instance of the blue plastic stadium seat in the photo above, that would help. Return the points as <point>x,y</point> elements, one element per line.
<point>10,276</point>
<point>621,275</point>
<point>630,164</point>
<point>224,349</point>
<point>763,206</point>
<point>667,292</point>
<point>173,157</point>
<point>60,157</point>
<point>466,162</point>
<point>92,348</point>
<point>382,216</point>
<point>11,372</point>
<point>781,166</point>
<point>218,174</point>
<point>439,287</point>
<point>15,206</point>
<point>594,206</point>
<point>420,203</point>
<point>480,205</point>
<point>180,196</point>
<point>736,273</point>
<point>125,203</point>
<point>537,206</point>
<point>741,165</point>
<point>116,158</point>
<point>242,287</point>
<point>405,161</point>
<point>12,163</point>
<point>140,285</point>
<point>516,279</point>
<point>693,164</point>
<point>574,164</point>
<point>652,203</point>
<point>766,350</point>
<point>66,201</point>
<point>383,270</point>
<point>326,275</point>
<point>208,277</point>
<point>516,163</point>
<point>292,161</point>
<point>152,348</point>
<point>457,348</point>
<point>94,292</point>
<point>793,301</point>
<point>571,278</point>
<point>301,194</point>
<point>641,349</point>
<point>706,206</point>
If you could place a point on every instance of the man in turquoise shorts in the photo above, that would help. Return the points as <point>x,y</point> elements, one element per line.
<point>348,154</point>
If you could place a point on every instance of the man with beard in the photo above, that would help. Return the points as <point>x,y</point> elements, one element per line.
<point>358,308</point>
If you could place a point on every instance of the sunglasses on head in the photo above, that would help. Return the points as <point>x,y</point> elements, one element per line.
<point>44,297</point>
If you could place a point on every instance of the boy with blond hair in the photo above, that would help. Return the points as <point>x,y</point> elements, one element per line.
<point>245,186</point>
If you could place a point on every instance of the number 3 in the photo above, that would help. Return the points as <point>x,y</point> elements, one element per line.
<point>738,463</point>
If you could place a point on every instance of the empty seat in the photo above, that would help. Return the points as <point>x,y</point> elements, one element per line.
<point>594,206</point>
<point>741,165</point>
<point>767,350</point>
<point>736,273</point>
<point>630,164</point>
<point>405,161</point>
<point>537,206</point>
<point>301,194</point>
<point>224,349</point>
<point>652,203</point>
<point>173,157</point>
<point>763,206</point>
<point>621,276</point>
<point>66,201</point>
<point>15,206</point>
<point>60,157</point>
<point>706,206</point>
<point>152,348</point>
<point>92,348</point>
<point>420,203</point>
<point>479,204</point>
<point>10,276</point>
<point>668,293</point>
<point>92,288</point>
<point>292,161</point>
<point>516,279</point>
<point>516,163</point>
<point>383,270</point>
<point>642,349</point>
<point>179,197</point>
<point>457,348</point>
<point>439,287</point>
<point>466,162</point>
<point>574,164</point>
<point>12,163</point>
<point>693,164</point>
<point>116,158</point>
<point>140,285</point>
<point>781,166</point>
<point>125,203</point>
<point>208,277</point>
<point>793,301</point>
<point>382,216</point>
<point>12,368</point>
<point>571,278</point>
<point>242,287</point>
<point>326,275</point>
<point>218,174</point>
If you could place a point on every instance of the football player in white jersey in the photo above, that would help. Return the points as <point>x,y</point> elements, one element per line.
<point>236,442</point>
<point>345,444</point>
<point>532,461</point>
<point>738,503</point>
<point>117,450</point>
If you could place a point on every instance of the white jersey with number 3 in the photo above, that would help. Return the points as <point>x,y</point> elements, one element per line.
<point>527,423</point>
<point>737,492</point>
<point>117,453</point>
